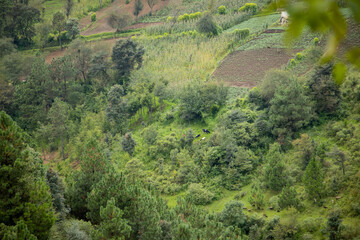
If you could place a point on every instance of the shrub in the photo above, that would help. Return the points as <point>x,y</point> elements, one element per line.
<point>186,17</point>
<point>241,33</point>
<point>170,19</point>
<point>198,15</point>
<point>127,1</point>
<point>93,17</point>
<point>249,7</point>
<point>208,26</point>
<point>292,62</point>
<point>199,195</point>
<point>298,56</point>
<point>316,41</point>
<point>222,10</point>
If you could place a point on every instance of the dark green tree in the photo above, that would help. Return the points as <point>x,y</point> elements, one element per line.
<point>58,23</point>
<point>334,225</point>
<point>117,110</point>
<point>290,109</point>
<point>208,25</point>
<point>288,198</point>
<point>232,214</point>
<point>58,116</point>
<point>339,157</point>
<point>24,192</point>
<point>93,164</point>
<point>112,225</point>
<point>57,190</point>
<point>324,91</point>
<point>138,7</point>
<point>274,172</point>
<point>72,28</point>
<point>313,180</point>
<point>126,56</point>
<point>128,144</point>
<point>68,8</point>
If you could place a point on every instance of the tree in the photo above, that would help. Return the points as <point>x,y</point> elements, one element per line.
<point>68,8</point>
<point>72,28</point>
<point>112,225</point>
<point>126,56</point>
<point>256,197</point>
<point>43,31</point>
<point>313,180</point>
<point>58,23</point>
<point>274,173</point>
<point>116,110</point>
<point>128,143</point>
<point>81,58</point>
<point>98,68</point>
<point>339,157</point>
<point>137,8</point>
<point>305,149</point>
<point>334,225</point>
<point>151,4</point>
<point>93,164</point>
<point>208,25</point>
<point>24,192</point>
<point>119,21</point>
<point>290,109</point>
<point>288,198</point>
<point>58,116</point>
<point>232,214</point>
<point>57,190</point>
<point>324,91</point>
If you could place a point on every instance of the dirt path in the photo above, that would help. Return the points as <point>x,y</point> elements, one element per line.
<point>118,6</point>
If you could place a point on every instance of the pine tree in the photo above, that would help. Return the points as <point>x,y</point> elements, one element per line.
<point>313,180</point>
<point>24,192</point>
<point>288,198</point>
<point>128,143</point>
<point>334,225</point>
<point>138,7</point>
<point>274,174</point>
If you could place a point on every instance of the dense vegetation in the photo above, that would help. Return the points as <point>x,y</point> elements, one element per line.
<point>137,140</point>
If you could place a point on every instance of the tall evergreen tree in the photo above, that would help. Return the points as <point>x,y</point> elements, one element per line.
<point>313,180</point>
<point>24,192</point>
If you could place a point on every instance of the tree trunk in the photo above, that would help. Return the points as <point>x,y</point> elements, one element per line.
<point>60,40</point>
<point>100,2</point>
<point>62,146</point>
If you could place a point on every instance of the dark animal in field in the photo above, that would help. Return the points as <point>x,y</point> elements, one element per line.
<point>270,208</point>
<point>265,215</point>
<point>197,136</point>
<point>205,131</point>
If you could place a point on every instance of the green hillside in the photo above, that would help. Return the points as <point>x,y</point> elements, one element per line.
<point>186,120</point>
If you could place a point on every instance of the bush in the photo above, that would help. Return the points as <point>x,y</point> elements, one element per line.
<point>199,195</point>
<point>298,56</point>
<point>169,19</point>
<point>292,62</point>
<point>241,33</point>
<point>249,7</point>
<point>127,1</point>
<point>316,41</point>
<point>208,26</point>
<point>222,10</point>
<point>93,17</point>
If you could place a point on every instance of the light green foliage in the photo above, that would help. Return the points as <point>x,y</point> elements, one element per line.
<point>249,7</point>
<point>6,47</point>
<point>25,194</point>
<point>304,149</point>
<point>316,41</point>
<point>313,181</point>
<point>298,56</point>
<point>150,135</point>
<point>72,28</point>
<point>72,229</point>
<point>93,17</point>
<point>222,10</point>
<point>199,195</point>
<point>256,197</point>
<point>274,172</point>
<point>241,34</point>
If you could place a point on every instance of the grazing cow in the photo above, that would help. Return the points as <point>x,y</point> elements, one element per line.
<point>197,136</point>
<point>206,131</point>
<point>271,208</point>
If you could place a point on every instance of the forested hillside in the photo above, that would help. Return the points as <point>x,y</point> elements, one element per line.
<point>191,119</point>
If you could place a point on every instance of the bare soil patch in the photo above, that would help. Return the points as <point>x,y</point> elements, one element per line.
<point>274,31</point>
<point>118,6</point>
<point>247,68</point>
<point>54,55</point>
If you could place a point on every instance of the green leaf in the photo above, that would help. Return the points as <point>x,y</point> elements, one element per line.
<point>339,72</point>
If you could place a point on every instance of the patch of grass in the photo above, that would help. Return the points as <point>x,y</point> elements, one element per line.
<point>107,35</point>
<point>256,24</point>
